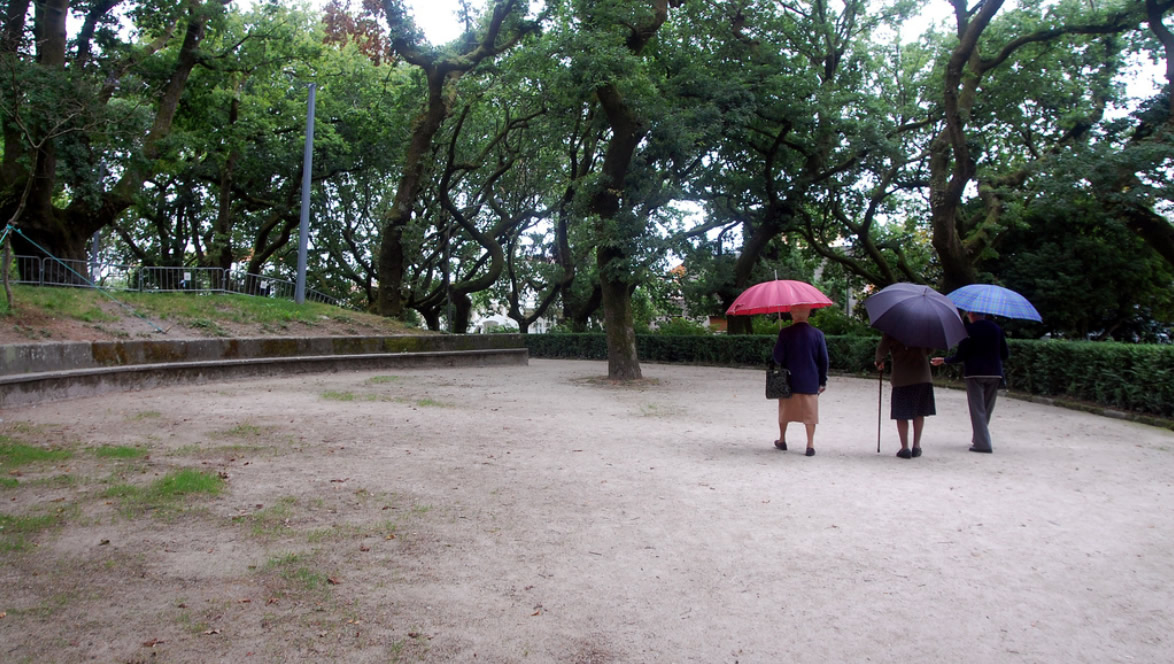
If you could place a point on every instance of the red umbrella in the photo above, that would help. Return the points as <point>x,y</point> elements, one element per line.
<point>776,297</point>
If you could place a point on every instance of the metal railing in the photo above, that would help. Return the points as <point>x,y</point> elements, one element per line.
<point>37,271</point>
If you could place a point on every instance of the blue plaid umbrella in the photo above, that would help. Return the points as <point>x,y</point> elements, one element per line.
<point>991,299</point>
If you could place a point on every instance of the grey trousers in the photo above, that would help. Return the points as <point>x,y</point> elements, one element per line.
<point>980,395</point>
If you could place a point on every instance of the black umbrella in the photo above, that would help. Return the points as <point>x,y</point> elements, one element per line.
<point>917,316</point>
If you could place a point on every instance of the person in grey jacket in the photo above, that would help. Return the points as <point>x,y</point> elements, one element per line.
<point>982,354</point>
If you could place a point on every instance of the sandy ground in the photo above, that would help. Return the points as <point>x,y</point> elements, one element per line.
<point>539,514</point>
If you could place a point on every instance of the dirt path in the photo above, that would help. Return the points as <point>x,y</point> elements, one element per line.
<point>537,514</point>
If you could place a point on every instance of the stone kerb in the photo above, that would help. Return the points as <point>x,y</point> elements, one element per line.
<point>32,373</point>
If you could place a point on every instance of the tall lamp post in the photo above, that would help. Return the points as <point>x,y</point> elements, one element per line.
<point>304,226</point>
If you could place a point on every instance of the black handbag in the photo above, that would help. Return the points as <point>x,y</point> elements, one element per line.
<point>778,382</point>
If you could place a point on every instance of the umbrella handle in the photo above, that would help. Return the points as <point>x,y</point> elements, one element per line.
<point>880,391</point>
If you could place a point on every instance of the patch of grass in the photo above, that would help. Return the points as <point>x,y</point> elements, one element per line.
<point>13,454</point>
<point>244,430</point>
<point>293,567</point>
<point>271,521</point>
<point>74,303</point>
<point>49,607</point>
<point>8,483</point>
<point>305,577</point>
<point>185,482</point>
<point>195,449</point>
<point>335,533</point>
<point>657,410</point>
<point>119,452</point>
<point>166,492</point>
<point>380,380</point>
<point>146,415</point>
<point>432,403</point>
<point>55,482</point>
<point>14,528</point>
<point>24,427</point>
<point>209,312</point>
<point>210,326</point>
<point>331,395</point>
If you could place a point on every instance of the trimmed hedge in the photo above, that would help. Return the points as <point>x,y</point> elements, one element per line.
<point>846,353</point>
<point>1131,377</point>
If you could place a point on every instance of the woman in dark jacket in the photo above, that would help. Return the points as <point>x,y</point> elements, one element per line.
<point>803,350</point>
<point>912,397</point>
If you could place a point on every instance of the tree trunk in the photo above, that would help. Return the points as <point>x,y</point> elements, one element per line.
<point>462,313</point>
<point>622,360</point>
<point>431,318</point>
<point>389,300</point>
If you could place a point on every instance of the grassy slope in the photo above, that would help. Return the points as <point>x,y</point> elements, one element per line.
<point>43,313</point>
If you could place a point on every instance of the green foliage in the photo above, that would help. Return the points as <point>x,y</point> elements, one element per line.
<point>1086,273</point>
<point>681,327</point>
<point>1125,376</point>
<point>833,321</point>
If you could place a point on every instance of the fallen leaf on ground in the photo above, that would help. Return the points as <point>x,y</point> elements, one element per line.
<point>152,643</point>
<point>332,581</point>
<point>363,547</point>
<point>212,631</point>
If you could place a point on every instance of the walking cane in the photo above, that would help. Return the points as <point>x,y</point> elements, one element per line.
<point>880,390</point>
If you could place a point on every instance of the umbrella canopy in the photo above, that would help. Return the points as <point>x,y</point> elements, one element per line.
<point>991,299</point>
<point>917,316</point>
<point>777,296</point>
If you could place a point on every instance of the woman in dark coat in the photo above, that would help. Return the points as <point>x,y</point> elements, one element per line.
<point>912,396</point>
<point>803,350</point>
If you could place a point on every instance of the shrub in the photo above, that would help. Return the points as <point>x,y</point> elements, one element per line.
<point>1131,377</point>
<point>682,327</point>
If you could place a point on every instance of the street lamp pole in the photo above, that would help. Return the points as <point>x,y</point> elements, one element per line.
<point>304,226</point>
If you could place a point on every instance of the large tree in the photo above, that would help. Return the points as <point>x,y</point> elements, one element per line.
<point>503,28</point>
<point>984,49</point>
<point>86,116</point>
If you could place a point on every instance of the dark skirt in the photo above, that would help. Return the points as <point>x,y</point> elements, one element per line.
<point>910,401</point>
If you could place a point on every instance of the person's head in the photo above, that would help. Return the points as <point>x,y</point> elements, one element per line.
<point>974,316</point>
<point>800,313</point>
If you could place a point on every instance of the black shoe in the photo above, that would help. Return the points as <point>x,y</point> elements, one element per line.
<point>976,449</point>
<point>781,444</point>
<point>916,452</point>
<point>904,453</point>
<point>811,451</point>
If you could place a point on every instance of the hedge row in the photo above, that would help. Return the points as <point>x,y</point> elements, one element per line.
<point>1124,376</point>
<point>852,354</point>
